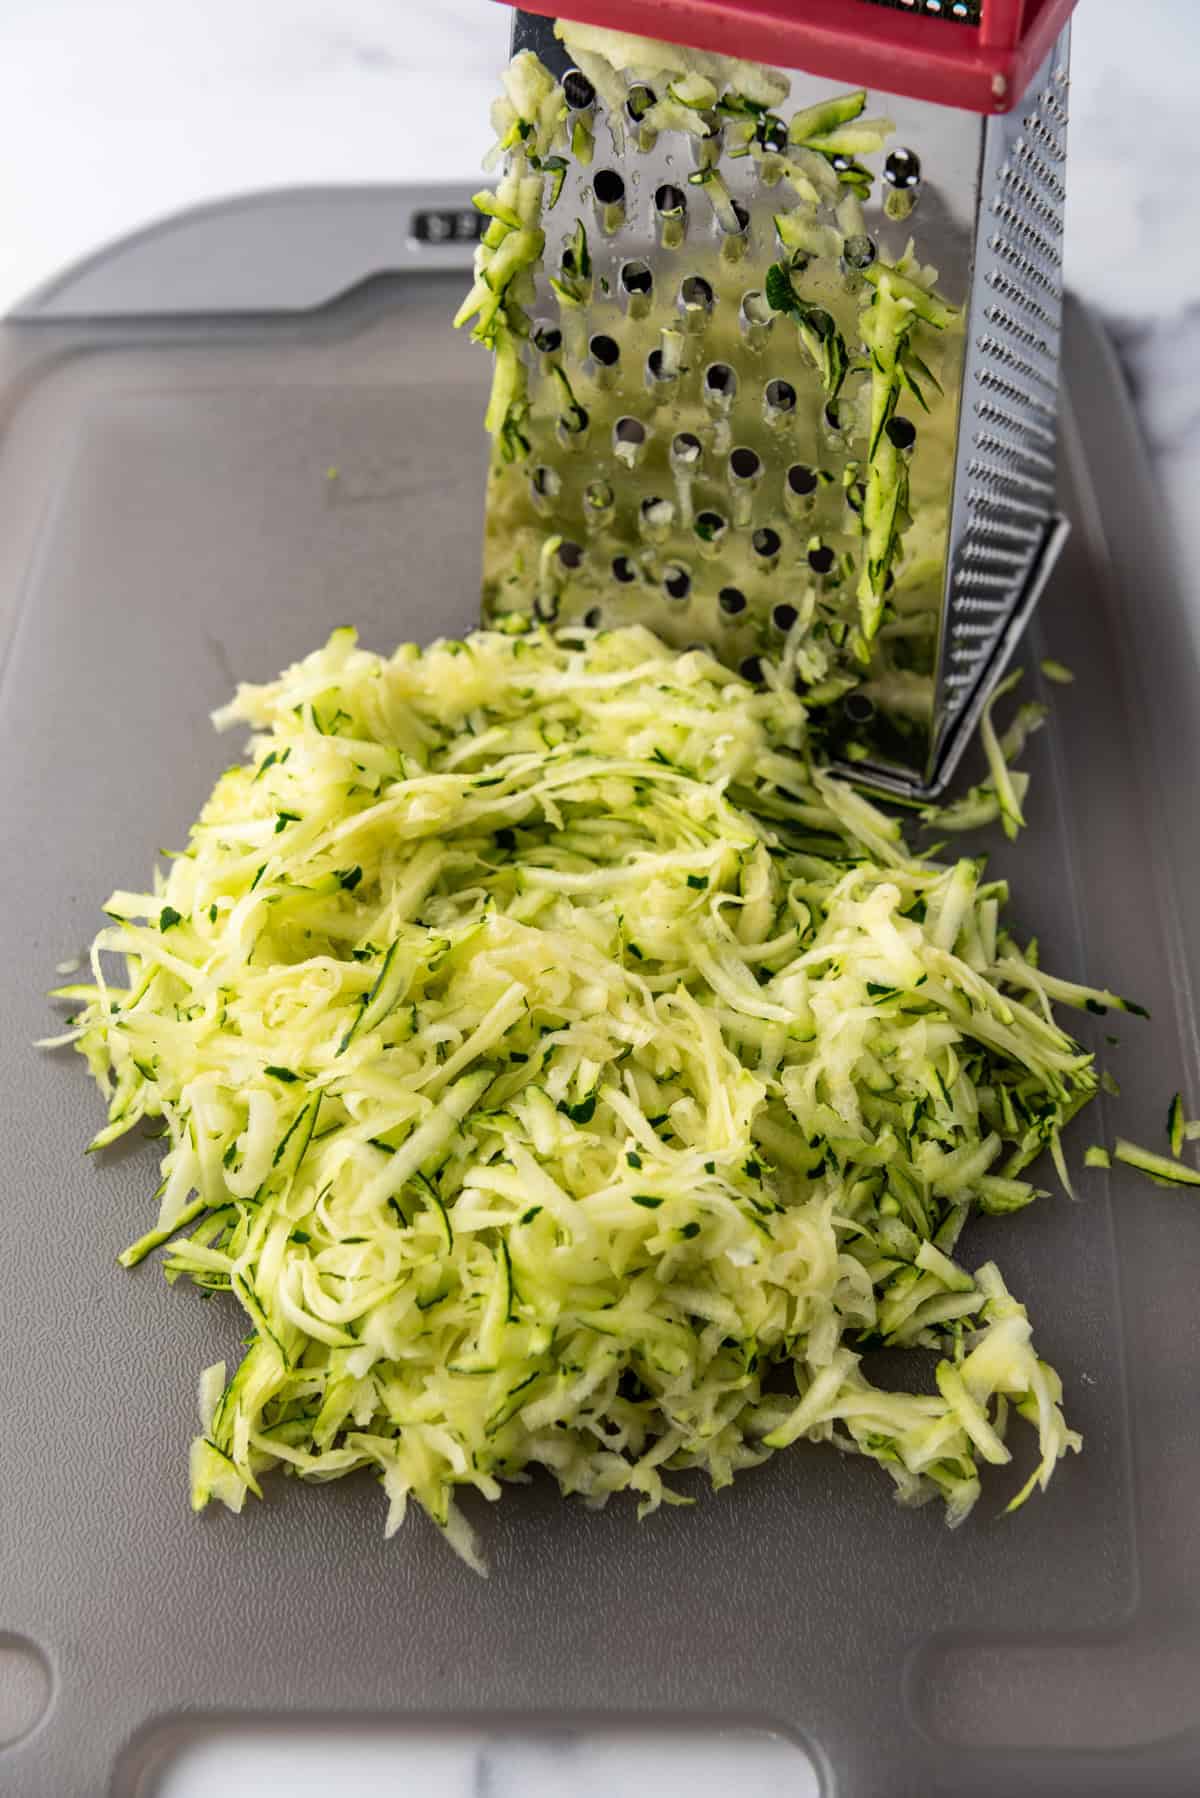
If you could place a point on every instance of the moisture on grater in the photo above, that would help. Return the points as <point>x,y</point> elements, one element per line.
<point>727,387</point>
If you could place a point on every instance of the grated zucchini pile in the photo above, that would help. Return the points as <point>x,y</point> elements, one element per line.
<point>557,1069</point>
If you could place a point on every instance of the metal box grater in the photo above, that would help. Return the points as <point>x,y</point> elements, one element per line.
<point>709,494</point>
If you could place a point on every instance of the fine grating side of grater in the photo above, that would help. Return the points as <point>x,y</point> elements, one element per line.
<point>680,463</point>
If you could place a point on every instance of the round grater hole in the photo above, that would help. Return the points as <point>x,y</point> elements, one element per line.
<point>657,367</point>
<point>858,708</point>
<point>670,208</point>
<point>573,423</point>
<point>570,554</point>
<point>784,617</point>
<point>605,350</point>
<point>799,486</point>
<point>546,483</point>
<point>858,252</point>
<point>578,91</point>
<point>608,200</point>
<point>732,601</point>
<point>598,496</point>
<point>779,399</point>
<point>735,232</point>
<point>629,441</point>
<point>685,450</point>
<point>745,470</point>
<point>751,669</point>
<point>623,570</point>
<point>639,101</point>
<point>677,582</point>
<point>695,298</point>
<point>771,134</point>
<point>902,168</point>
<point>608,187</point>
<point>902,433</point>
<point>593,618</point>
<point>636,284</point>
<point>710,528</point>
<point>766,544</point>
<point>656,515</point>
<point>720,380</point>
<point>755,318</point>
<point>820,558</point>
<point>546,337</point>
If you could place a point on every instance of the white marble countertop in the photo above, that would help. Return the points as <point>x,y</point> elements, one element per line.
<point>116,114</point>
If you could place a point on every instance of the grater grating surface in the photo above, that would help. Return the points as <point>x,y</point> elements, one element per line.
<point>707,494</point>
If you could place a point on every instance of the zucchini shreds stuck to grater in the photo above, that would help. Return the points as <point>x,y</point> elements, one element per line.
<point>776,356</point>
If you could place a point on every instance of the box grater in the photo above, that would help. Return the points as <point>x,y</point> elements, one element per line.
<point>687,456</point>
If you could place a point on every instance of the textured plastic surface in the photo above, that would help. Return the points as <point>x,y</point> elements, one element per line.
<point>166,521</point>
<point>978,56</point>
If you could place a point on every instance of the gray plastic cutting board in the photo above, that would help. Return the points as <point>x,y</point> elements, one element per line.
<point>167,522</point>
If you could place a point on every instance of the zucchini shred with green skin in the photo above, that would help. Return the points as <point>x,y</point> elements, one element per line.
<point>575,1055</point>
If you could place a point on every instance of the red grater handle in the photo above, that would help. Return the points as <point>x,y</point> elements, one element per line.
<point>982,68</point>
